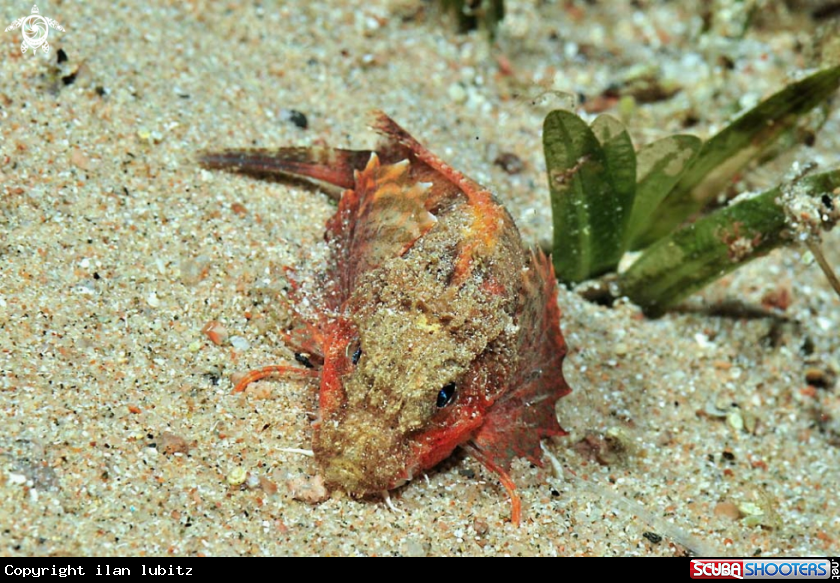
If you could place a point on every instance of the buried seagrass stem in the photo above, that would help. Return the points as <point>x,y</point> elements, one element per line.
<point>698,253</point>
<point>734,147</point>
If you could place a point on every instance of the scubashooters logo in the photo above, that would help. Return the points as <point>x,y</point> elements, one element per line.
<point>717,569</point>
<point>763,569</point>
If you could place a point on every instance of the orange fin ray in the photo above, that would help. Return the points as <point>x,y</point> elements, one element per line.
<point>380,218</point>
<point>266,371</point>
<point>392,214</point>
<point>473,190</point>
<point>504,478</point>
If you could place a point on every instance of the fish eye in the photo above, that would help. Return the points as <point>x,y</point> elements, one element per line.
<point>357,354</point>
<point>446,395</point>
<point>303,358</point>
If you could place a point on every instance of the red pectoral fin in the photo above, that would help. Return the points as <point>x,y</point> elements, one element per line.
<point>332,165</point>
<point>524,414</point>
<point>519,421</point>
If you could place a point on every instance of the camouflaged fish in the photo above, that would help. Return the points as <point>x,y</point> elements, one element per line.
<point>436,328</point>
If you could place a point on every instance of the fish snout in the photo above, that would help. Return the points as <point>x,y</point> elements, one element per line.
<point>360,453</point>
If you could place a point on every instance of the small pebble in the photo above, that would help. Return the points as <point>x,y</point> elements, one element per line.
<point>509,162</point>
<point>78,159</point>
<point>294,116</point>
<point>457,93</point>
<point>820,378</point>
<point>217,333</point>
<point>414,548</point>
<point>268,486</point>
<point>194,270</point>
<point>149,137</point>
<point>169,443</point>
<point>750,422</point>
<point>17,478</point>
<point>727,510</point>
<point>239,343</point>
<point>71,78</point>
<point>237,476</point>
<point>309,490</point>
<point>753,513</point>
<point>735,420</point>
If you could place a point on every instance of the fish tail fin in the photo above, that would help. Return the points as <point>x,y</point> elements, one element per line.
<point>332,165</point>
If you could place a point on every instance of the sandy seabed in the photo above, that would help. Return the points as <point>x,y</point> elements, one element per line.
<point>119,433</point>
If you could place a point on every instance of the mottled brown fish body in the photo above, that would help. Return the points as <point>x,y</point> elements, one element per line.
<point>436,328</point>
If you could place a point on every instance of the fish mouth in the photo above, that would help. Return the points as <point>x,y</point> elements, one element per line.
<point>350,476</point>
<point>399,483</point>
<point>359,478</point>
<point>360,454</point>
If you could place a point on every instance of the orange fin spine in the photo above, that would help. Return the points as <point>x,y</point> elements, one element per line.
<point>504,478</point>
<point>391,213</point>
<point>267,371</point>
<point>471,189</point>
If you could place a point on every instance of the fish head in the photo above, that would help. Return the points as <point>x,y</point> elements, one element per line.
<point>404,383</point>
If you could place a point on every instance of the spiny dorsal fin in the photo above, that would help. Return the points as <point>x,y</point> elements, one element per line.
<point>382,217</point>
<point>481,236</point>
